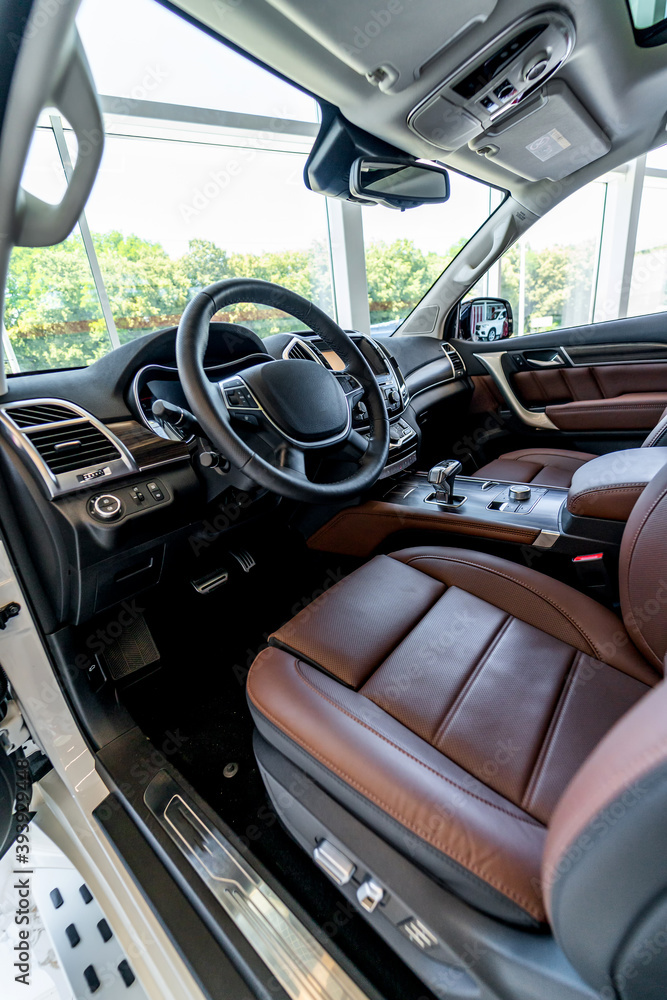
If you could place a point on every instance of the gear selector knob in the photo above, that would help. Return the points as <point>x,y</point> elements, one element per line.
<point>442,477</point>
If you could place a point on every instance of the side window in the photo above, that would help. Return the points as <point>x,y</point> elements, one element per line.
<point>550,276</point>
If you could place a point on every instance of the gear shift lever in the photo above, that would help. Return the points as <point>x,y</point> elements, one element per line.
<point>442,477</point>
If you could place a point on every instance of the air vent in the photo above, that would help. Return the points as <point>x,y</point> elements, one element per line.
<point>458,364</point>
<point>40,413</point>
<point>74,447</point>
<point>300,350</point>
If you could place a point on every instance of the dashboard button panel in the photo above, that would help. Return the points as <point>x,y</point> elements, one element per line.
<point>125,501</point>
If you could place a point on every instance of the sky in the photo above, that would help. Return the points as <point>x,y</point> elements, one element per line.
<point>246,200</point>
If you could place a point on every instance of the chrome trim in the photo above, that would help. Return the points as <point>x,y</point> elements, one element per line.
<point>458,501</point>
<point>447,346</point>
<point>259,409</point>
<point>546,539</point>
<point>207,584</point>
<point>408,436</point>
<point>309,349</point>
<point>494,365</point>
<point>154,426</point>
<point>333,862</point>
<point>65,482</point>
<point>299,963</point>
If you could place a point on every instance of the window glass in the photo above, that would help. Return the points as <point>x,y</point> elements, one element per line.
<point>550,276</point>
<point>52,313</point>
<point>648,290</point>
<point>407,251</point>
<point>171,217</point>
<point>166,59</point>
<point>646,13</point>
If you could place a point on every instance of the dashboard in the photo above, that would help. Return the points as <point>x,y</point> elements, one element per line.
<point>107,498</point>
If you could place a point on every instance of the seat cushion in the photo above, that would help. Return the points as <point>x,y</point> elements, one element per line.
<point>543,466</point>
<point>447,698</point>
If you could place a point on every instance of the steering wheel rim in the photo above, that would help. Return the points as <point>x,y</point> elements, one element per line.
<point>206,401</point>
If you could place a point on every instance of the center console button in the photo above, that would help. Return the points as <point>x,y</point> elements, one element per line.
<point>519,493</point>
<point>106,507</point>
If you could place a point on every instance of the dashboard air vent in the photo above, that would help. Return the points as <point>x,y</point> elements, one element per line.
<point>40,413</point>
<point>301,350</point>
<point>458,364</point>
<point>74,447</point>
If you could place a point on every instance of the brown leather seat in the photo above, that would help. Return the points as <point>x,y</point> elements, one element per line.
<point>447,699</point>
<point>436,679</point>
<point>552,466</point>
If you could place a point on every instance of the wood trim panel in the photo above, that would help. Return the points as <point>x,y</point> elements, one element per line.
<point>357,531</point>
<point>147,449</point>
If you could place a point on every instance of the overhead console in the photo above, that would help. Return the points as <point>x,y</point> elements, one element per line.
<point>493,82</point>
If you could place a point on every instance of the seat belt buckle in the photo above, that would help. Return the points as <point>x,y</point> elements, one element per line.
<point>592,573</point>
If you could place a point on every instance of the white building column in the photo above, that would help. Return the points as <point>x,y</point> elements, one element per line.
<point>619,239</point>
<point>348,265</point>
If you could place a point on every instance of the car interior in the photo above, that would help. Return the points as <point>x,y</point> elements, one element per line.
<point>381,616</point>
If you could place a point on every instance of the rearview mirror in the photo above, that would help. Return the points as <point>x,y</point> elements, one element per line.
<point>486,320</point>
<point>398,183</point>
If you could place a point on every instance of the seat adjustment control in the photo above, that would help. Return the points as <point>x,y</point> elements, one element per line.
<point>370,894</point>
<point>332,861</point>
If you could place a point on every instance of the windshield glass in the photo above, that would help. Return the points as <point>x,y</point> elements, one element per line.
<point>202,179</point>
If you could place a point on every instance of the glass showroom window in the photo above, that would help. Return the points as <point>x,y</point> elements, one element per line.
<point>407,251</point>
<point>550,276</point>
<point>169,217</point>
<point>648,289</point>
<point>53,314</point>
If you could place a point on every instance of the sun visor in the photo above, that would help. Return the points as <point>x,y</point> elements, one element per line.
<point>389,42</point>
<point>549,137</point>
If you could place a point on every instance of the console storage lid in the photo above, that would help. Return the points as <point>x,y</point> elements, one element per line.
<point>608,487</point>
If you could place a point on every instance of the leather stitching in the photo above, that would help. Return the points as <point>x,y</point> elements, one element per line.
<point>520,583</point>
<point>596,491</point>
<point>424,834</point>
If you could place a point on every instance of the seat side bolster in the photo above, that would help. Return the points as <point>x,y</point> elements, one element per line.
<point>428,795</point>
<point>606,851</point>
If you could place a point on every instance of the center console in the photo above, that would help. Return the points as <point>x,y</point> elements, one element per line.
<point>586,522</point>
<point>511,512</point>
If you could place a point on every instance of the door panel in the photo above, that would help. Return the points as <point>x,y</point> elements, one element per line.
<point>595,388</point>
<point>566,384</point>
<point>632,411</point>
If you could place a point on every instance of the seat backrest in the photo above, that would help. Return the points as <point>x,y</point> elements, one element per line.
<point>643,572</point>
<point>658,436</point>
<point>605,863</point>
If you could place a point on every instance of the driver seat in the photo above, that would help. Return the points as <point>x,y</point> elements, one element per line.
<point>482,719</point>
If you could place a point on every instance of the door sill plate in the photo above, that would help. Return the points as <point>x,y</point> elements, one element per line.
<point>304,969</point>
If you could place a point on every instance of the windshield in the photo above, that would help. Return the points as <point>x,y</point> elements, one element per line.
<point>202,179</point>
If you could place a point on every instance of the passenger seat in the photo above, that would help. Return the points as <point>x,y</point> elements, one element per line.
<point>552,466</point>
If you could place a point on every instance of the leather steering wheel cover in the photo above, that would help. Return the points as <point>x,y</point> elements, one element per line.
<point>205,400</point>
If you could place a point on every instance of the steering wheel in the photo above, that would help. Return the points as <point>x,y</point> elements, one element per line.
<point>300,405</point>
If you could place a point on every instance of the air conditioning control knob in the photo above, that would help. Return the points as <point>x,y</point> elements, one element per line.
<point>519,493</point>
<point>106,507</point>
<point>393,397</point>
